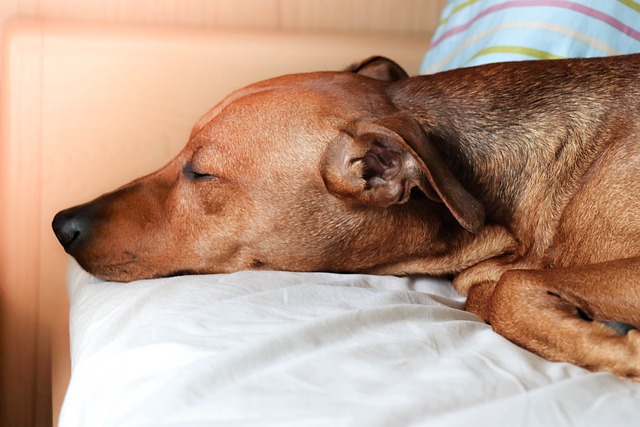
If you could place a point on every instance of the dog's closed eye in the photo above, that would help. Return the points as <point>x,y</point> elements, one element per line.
<point>193,174</point>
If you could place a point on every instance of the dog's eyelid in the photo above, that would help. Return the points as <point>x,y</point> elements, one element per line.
<point>195,175</point>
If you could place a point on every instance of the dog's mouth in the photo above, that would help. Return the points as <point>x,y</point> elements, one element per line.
<point>176,273</point>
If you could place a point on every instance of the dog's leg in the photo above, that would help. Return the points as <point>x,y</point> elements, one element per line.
<point>479,282</point>
<point>560,314</point>
<point>479,299</point>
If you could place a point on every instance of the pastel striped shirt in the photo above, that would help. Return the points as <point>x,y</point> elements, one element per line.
<point>474,32</point>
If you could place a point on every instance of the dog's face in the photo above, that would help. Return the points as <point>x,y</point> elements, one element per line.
<point>303,172</point>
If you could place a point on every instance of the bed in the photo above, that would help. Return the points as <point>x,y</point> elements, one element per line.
<point>312,349</point>
<point>261,348</point>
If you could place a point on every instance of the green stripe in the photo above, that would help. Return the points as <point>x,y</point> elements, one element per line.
<point>534,53</point>
<point>630,3</point>
<point>458,9</point>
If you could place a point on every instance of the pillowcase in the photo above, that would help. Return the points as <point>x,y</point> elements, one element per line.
<point>475,32</point>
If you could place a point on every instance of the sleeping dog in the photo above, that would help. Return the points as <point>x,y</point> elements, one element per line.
<point>517,179</point>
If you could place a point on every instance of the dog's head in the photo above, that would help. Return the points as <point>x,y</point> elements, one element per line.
<point>306,172</point>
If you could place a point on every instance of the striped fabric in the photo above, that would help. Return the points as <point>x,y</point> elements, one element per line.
<point>474,32</point>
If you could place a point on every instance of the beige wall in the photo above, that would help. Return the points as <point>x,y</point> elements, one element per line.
<point>408,16</point>
<point>395,16</point>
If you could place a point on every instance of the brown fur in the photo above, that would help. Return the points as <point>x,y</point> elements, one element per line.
<point>519,178</point>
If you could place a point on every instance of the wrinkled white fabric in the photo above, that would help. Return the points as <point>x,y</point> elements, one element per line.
<point>312,349</point>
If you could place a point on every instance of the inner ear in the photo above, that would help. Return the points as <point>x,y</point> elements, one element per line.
<point>381,163</point>
<point>367,165</point>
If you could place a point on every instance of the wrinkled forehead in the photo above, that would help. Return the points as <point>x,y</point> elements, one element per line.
<point>297,101</point>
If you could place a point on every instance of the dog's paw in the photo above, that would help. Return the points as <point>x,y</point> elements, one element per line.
<point>626,364</point>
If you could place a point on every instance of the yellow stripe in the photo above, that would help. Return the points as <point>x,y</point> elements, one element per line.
<point>534,53</point>
<point>630,3</point>
<point>458,9</point>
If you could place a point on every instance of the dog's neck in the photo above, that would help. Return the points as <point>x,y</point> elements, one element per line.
<point>496,141</point>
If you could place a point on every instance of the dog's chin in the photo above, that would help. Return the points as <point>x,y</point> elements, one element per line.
<point>129,267</point>
<point>124,275</point>
<point>130,272</point>
<point>127,271</point>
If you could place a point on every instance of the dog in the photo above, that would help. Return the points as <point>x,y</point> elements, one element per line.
<point>518,180</point>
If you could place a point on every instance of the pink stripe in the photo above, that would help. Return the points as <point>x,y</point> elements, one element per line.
<point>607,19</point>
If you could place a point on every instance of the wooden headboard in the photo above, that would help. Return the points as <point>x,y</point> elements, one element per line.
<point>88,108</point>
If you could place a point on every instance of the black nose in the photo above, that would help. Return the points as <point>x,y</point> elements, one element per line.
<point>71,227</point>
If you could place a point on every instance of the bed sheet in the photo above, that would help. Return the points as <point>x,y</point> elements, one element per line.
<point>312,349</point>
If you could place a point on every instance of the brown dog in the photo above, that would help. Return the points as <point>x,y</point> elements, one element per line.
<point>519,178</point>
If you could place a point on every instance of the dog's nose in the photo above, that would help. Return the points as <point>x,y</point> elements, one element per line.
<point>71,227</point>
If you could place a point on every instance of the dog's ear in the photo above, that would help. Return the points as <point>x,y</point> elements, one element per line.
<point>379,163</point>
<point>379,68</point>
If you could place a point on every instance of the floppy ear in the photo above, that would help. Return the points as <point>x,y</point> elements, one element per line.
<point>379,163</point>
<point>379,68</point>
